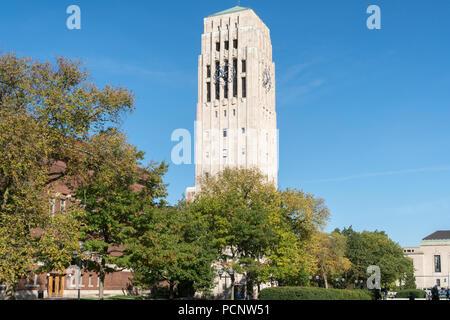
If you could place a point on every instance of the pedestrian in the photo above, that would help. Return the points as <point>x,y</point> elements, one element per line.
<point>447,294</point>
<point>435,293</point>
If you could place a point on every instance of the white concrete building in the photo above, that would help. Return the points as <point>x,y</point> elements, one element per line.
<point>236,118</point>
<point>431,260</point>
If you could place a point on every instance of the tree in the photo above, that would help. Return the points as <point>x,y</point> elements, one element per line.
<point>48,114</point>
<point>330,250</point>
<point>291,258</point>
<point>116,192</point>
<point>170,245</point>
<point>375,248</point>
<point>259,231</point>
<point>237,204</point>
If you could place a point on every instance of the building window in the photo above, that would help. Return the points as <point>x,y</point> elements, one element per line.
<point>72,278</point>
<point>438,282</point>
<point>217,114</point>
<point>62,204</point>
<point>217,91</point>
<point>244,65</point>
<point>234,112</point>
<point>437,263</point>
<point>235,43</point>
<point>52,207</point>
<point>208,91</point>
<point>90,281</point>
<point>224,113</point>
<point>244,87</point>
<point>217,80</point>
<point>227,45</point>
<point>207,155</point>
<point>235,84</point>
<point>243,130</point>
<point>208,71</point>
<point>225,133</point>
<point>225,153</point>
<point>225,87</point>
<point>243,151</point>
<point>217,46</point>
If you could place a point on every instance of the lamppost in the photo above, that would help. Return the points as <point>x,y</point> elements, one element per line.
<point>220,272</point>
<point>231,273</point>
<point>317,279</point>
<point>80,266</point>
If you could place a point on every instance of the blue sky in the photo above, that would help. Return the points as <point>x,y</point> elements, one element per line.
<point>363,114</point>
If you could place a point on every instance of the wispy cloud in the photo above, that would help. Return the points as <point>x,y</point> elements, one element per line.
<point>429,208</point>
<point>297,81</point>
<point>116,67</point>
<point>380,174</point>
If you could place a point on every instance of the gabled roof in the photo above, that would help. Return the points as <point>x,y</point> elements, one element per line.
<point>438,235</point>
<point>228,11</point>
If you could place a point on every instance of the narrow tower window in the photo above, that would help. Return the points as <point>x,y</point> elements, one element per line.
<point>217,91</point>
<point>225,87</point>
<point>235,43</point>
<point>208,91</point>
<point>227,45</point>
<point>244,65</point>
<point>235,84</point>
<point>244,87</point>
<point>208,71</point>
<point>217,46</point>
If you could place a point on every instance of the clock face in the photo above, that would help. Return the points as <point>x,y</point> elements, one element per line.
<point>267,79</point>
<point>225,74</point>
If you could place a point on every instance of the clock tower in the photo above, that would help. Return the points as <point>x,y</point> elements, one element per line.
<point>236,118</point>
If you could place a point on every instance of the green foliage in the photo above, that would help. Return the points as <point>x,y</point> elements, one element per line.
<point>257,230</point>
<point>375,248</point>
<point>59,239</point>
<point>49,114</point>
<point>330,249</point>
<point>170,244</point>
<point>416,293</point>
<point>113,196</point>
<point>304,293</point>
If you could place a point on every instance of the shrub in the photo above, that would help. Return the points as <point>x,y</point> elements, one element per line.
<point>408,292</point>
<point>308,293</point>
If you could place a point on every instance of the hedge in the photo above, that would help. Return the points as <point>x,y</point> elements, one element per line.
<point>406,293</point>
<point>309,293</point>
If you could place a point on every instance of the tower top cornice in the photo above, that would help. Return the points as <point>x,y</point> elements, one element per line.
<point>229,11</point>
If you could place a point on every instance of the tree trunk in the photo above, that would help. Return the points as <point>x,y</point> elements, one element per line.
<point>171,290</point>
<point>10,292</point>
<point>101,286</point>
<point>325,280</point>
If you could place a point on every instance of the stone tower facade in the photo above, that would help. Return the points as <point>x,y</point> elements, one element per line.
<point>236,117</point>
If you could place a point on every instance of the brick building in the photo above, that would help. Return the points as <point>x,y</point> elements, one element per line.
<point>54,284</point>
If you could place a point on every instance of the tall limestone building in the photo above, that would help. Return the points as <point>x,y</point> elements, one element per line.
<point>236,118</point>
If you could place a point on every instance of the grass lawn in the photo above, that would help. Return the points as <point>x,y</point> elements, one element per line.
<point>119,298</point>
